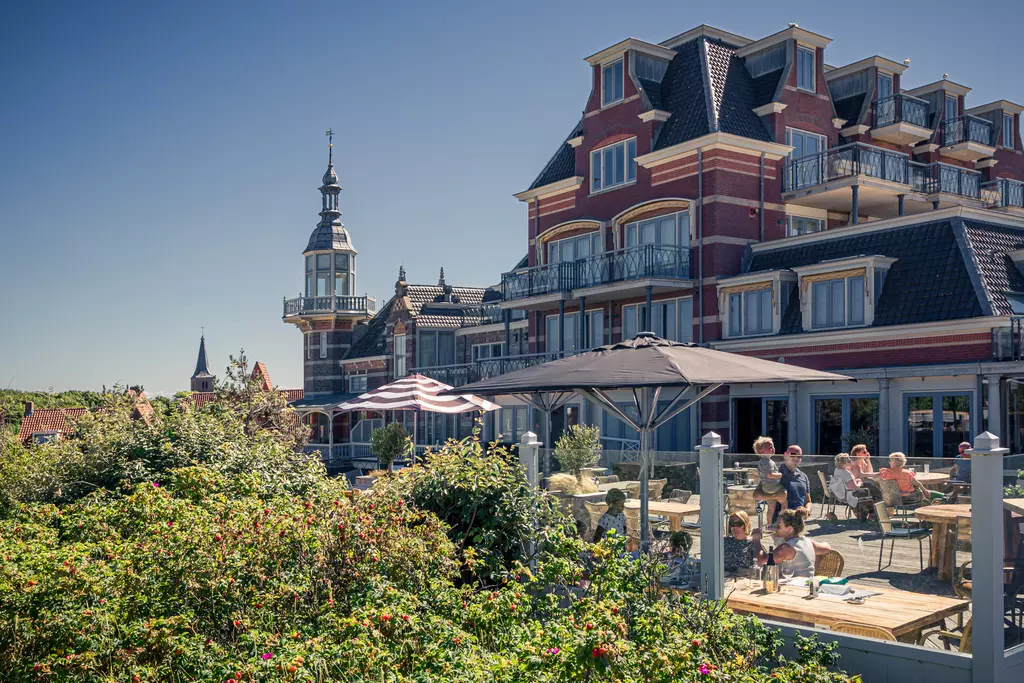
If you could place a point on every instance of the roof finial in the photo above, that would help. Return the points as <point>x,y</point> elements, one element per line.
<point>401,273</point>
<point>440,280</point>
<point>330,146</point>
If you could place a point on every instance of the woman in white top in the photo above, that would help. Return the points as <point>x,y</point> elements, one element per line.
<point>794,549</point>
<point>849,488</point>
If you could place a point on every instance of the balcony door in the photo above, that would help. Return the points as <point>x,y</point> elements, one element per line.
<point>669,231</point>
<point>578,248</point>
<point>805,160</point>
<point>936,424</point>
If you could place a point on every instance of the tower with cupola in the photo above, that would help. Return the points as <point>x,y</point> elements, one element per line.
<point>328,308</point>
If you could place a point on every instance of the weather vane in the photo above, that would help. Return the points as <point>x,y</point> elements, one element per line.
<point>330,144</point>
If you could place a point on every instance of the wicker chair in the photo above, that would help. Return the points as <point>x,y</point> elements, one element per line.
<point>655,487</point>
<point>958,538</point>
<point>963,639</point>
<point>595,511</point>
<point>862,630</point>
<point>680,496</point>
<point>829,564</point>
<point>610,479</point>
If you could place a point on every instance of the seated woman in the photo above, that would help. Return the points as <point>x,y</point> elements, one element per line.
<point>614,518</point>
<point>849,488</point>
<point>740,550</point>
<point>794,549</point>
<point>862,468</point>
<point>911,490</point>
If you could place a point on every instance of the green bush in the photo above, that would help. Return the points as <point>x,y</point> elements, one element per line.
<point>578,447</point>
<point>389,443</point>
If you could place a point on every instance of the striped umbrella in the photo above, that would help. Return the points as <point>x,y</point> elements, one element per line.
<point>418,394</point>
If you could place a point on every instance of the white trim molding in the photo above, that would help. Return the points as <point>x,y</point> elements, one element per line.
<point>572,183</point>
<point>736,143</point>
<point>986,163</point>
<point>770,108</point>
<point>882,63</point>
<point>944,84</point>
<point>654,115</point>
<point>794,32</point>
<point>860,129</point>
<point>613,52</point>
<point>707,32</point>
<point>1004,105</point>
<point>575,142</point>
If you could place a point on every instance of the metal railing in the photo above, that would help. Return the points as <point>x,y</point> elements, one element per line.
<point>329,304</point>
<point>1016,339</point>
<point>900,107</point>
<point>463,373</point>
<point>1004,192</point>
<point>938,177</point>
<point>621,265</point>
<point>967,128</point>
<point>846,161</point>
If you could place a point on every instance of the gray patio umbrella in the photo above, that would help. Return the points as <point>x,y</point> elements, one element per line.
<point>649,367</point>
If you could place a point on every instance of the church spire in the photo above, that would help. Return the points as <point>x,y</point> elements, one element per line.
<point>202,378</point>
<point>330,189</point>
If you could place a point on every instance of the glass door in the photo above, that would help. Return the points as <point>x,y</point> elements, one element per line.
<point>937,423</point>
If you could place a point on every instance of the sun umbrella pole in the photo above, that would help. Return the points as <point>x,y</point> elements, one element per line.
<point>415,421</point>
<point>645,466</point>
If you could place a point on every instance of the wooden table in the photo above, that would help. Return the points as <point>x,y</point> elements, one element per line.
<point>623,485</point>
<point>666,508</point>
<point>941,517</point>
<point>737,474</point>
<point>904,613</point>
<point>933,481</point>
<point>1014,505</point>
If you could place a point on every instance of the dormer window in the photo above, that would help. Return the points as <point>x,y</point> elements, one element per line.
<point>1008,131</point>
<point>613,165</point>
<point>611,83</point>
<point>649,68</point>
<point>884,86</point>
<point>838,303</point>
<point>750,313</point>
<point>39,438</point>
<point>805,68</point>
<point>951,107</point>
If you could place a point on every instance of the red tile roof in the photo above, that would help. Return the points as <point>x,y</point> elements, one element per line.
<point>260,372</point>
<point>201,398</point>
<point>49,420</point>
<point>293,394</point>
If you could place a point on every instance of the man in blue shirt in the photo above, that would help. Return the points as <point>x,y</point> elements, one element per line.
<point>794,482</point>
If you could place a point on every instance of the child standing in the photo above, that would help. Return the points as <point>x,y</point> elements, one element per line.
<point>770,488</point>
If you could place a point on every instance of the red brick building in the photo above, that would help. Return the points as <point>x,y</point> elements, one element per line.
<point>744,193</point>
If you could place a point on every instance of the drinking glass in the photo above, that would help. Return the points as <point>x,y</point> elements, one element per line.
<point>786,570</point>
<point>927,468</point>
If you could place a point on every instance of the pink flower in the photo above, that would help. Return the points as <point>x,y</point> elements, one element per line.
<point>704,670</point>
<point>156,484</point>
<point>267,655</point>
<point>553,650</point>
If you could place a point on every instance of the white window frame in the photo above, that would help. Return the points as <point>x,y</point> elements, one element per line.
<point>605,102</point>
<point>515,413</point>
<point>400,356</point>
<point>682,230</point>
<point>594,238</point>
<point>477,351</point>
<point>945,107</point>
<point>628,170</point>
<point>791,231</point>
<point>309,345</point>
<point>323,345</point>
<point>736,322</point>
<point>637,311</point>
<point>40,438</point>
<point>822,141</point>
<point>572,323</point>
<point>847,322</point>
<point>878,82</point>
<point>358,384</point>
<point>814,68</point>
<point>1008,131</point>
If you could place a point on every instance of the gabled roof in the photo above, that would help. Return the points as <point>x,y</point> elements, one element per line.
<point>421,295</point>
<point>562,164</point>
<point>989,244</point>
<point>373,341</point>
<point>930,280</point>
<point>59,420</point>
<point>262,375</point>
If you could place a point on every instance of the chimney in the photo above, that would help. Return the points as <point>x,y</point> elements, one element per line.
<point>29,408</point>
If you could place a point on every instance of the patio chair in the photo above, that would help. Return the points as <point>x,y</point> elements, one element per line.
<point>610,479</point>
<point>958,537</point>
<point>894,533</point>
<point>829,500</point>
<point>680,496</point>
<point>962,639</point>
<point>595,511</point>
<point>655,487</point>
<point>863,630</point>
<point>894,499</point>
<point>829,564</point>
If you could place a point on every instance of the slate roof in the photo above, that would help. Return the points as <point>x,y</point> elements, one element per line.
<point>374,341</point>
<point>706,88</point>
<point>326,237</point>
<point>930,280</point>
<point>849,108</point>
<point>420,295</point>
<point>202,367</point>
<point>989,244</point>
<point>562,164</point>
<point>49,420</point>
<point>322,401</point>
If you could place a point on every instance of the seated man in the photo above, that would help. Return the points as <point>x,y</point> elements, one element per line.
<point>962,465</point>
<point>794,482</point>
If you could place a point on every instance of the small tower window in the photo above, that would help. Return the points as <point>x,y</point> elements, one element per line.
<point>323,275</point>
<point>323,345</point>
<point>342,281</point>
<point>309,276</point>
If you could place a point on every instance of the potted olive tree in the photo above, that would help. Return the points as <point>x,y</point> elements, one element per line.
<point>387,443</point>
<point>578,447</point>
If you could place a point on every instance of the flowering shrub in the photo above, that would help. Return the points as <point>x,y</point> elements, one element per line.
<point>218,572</point>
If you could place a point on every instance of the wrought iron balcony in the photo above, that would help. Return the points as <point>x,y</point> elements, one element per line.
<point>464,373</point>
<point>307,305</point>
<point>967,128</point>
<point>622,265</point>
<point>900,108</point>
<point>854,159</point>
<point>1004,192</point>
<point>946,179</point>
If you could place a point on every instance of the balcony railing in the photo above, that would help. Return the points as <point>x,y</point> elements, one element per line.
<point>329,304</point>
<point>966,128</point>
<point>1016,338</point>
<point>1004,192</point>
<point>900,108</point>
<point>846,161</point>
<point>464,373</point>
<point>944,178</point>
<point>631,263</point>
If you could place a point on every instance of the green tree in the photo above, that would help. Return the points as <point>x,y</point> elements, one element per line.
<point>389,443</point>
<point>578,447</point>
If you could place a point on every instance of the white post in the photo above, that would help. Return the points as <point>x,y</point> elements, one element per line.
<point>883,417</point>
<point>987,555</point>
<point>529,457</point>
<point>712,517</point>
<point>793,436</point>
<point>995,411</point>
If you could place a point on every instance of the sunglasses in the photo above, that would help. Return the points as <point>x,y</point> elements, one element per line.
<point>735,522</point>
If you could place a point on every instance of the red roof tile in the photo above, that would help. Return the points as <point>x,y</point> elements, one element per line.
<point>49,420</point>
<point>260,372</point>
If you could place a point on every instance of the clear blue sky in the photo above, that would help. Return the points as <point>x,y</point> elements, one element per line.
<point>159,161</point>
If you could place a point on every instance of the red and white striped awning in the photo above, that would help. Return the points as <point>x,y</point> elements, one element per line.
<point>417,393</point>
